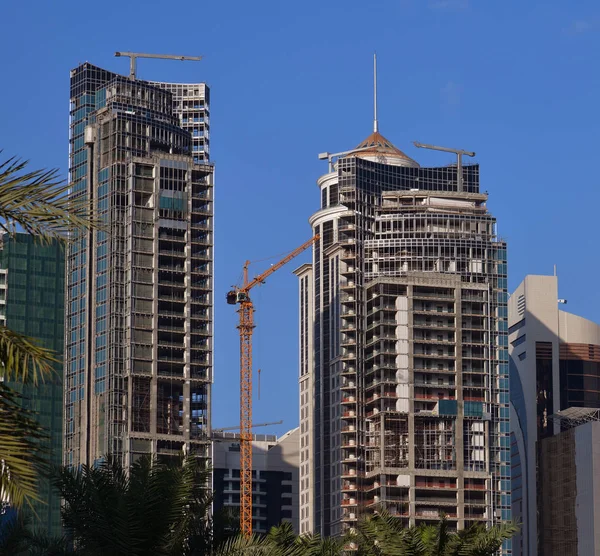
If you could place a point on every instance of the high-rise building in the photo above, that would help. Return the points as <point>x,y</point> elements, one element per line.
<point>403,347</point>
<point>32,302</point>
<point>274,478</point>
<point>555,384</point>
<point>138,362</point>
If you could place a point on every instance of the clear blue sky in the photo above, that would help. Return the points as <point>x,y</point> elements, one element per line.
<point>517,82</point>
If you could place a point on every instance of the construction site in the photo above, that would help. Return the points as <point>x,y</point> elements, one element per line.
<point>139,313</point>
<point>404,308</point>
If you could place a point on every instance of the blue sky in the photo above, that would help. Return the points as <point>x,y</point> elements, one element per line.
<point>517,82</point>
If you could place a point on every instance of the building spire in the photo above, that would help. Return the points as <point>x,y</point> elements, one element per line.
<point>375,123</point>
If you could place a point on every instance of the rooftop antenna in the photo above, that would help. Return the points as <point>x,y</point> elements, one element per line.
<point>375,123</point>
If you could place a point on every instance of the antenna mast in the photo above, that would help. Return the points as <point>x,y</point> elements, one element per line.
<point>375,123</point>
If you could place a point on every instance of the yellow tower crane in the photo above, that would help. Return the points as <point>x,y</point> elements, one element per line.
<point>240,296</point>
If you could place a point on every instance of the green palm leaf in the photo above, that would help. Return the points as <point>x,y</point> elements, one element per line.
<point>20,452</point>
<point>22,359</point>
<point>37,202</point>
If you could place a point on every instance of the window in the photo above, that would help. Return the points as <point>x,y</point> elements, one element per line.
<point>519,340</point>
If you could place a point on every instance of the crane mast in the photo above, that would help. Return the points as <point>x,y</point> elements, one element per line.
<point>240,296</point>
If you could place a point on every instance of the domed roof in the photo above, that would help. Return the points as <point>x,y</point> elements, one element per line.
<point>377,148</point>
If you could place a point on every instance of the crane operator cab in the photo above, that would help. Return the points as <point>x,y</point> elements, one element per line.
<point>234,297</point>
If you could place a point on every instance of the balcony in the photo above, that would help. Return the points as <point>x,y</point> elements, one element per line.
<point>388,323</point>
<point>433,295</point>
<point>380,337</point>
<point>386,394</point>
<point>443,325</point>
<point>431,355</point>
<point>171,252</point>
<point>435,485</point>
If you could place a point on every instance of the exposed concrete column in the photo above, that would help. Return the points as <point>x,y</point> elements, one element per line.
<point>411,406</point>
<point>459,436</point>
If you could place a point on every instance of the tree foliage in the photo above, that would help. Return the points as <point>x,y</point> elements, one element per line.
<point>35,202</point>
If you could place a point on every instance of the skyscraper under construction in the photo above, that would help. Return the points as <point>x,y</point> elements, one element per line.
<point>403,347</point>
<point>138,358</point>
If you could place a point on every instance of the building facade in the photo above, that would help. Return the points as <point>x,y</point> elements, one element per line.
<point>555,368</point>
<point>274,478</point>
<point>32,302</point>
<point>138,361</point>
<point>570,487</point>
<point>403,347</point>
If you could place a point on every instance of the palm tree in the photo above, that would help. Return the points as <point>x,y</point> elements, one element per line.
<point>152,509</point>
<point>17,539</point>
<point>37,203</point>
<point>384,535</point>
<point>283,542</point>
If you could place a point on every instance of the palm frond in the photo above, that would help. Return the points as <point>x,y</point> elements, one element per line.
<point>315,545</point>
<point>153,509</point>
<point>38,203</point>
<point>20,450</point>
<point>478,540</point>
<point>282,536</point>
<point>22,359</point>
<point>247,546</point>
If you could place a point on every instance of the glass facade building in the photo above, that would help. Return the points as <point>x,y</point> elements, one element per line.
<point>138,362</point>
<point>32,290</point>
<point>404,394</point>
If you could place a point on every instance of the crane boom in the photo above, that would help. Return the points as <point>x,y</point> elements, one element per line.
<point>459,154</point>
<point>253,426</point>
<point>262,277</point>
<point>133,56</point>
<point>246,327</point>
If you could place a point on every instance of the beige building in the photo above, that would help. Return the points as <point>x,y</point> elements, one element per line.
<point>274,477</point>
<point>555,385</point>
